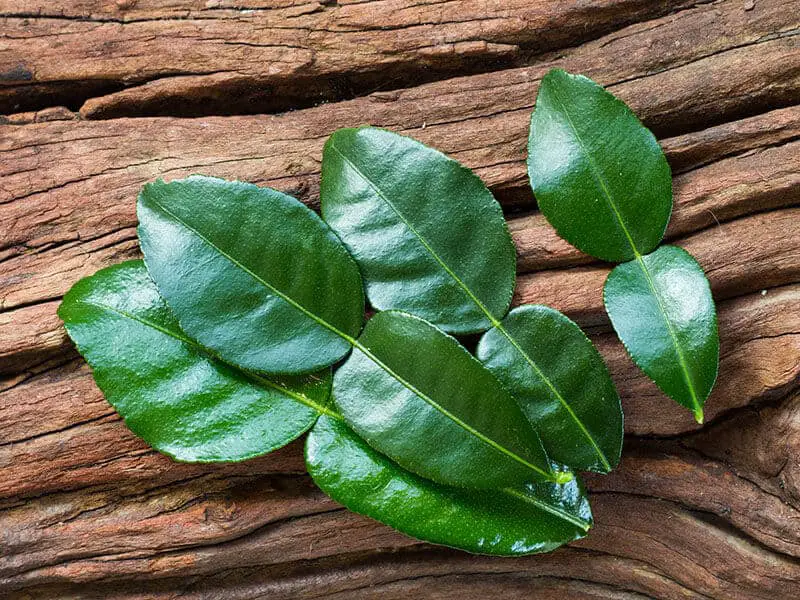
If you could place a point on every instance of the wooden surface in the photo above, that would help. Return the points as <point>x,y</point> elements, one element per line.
<point>100,96</point>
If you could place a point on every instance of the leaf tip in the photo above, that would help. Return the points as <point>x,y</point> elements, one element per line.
<point>698,415</point>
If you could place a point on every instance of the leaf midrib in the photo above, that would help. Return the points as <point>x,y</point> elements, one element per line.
<point>596,173</point>
<point>197,347</point>
<point>553,510</point>
<point>445,267</point>
<point>289,300</point>
<point>356,344</point>
<point>698,409</point>
<point>601,455</point>
<point>495,323</point>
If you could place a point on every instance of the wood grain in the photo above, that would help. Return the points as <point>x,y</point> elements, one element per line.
<point>87,510</point>
<point>257,56</point>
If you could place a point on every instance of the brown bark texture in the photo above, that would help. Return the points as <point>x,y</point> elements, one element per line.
<point>100,96</point>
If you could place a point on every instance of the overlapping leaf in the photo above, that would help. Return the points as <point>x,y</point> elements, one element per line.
<point>661,307</point>
<point>415,394</point>
<point>251,273</point>
<point>212,272</point>
<point>429,237</point>
<point>171,392</point>
<point>389,229</point>
<point>511,522</point>
<point>562,384</point>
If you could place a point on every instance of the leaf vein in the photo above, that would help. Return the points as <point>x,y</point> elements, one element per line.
<point>194,345</point>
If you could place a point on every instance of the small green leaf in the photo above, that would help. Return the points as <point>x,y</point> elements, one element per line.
<point>251,273</point>
<point>428,235</point>
<point>599,175</point>
<point>415,394</point>
<point>561,383</point>
<point>170,391</point>
<point>661,307</point>
<point>522,520</point>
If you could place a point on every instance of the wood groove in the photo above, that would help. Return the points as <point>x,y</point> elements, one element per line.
<point>87,510</point>
<point>299,55</point>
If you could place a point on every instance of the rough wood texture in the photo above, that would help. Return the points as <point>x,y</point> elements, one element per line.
<point>88,511</point>
<point>235,56</point>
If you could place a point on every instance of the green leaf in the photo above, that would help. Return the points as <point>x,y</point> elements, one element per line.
<point>522,520</point>
<point>661,308</point>
<point>431,260</point>
<point>170,391</point>
<point>561,383</point>
<point>251,273</point>
<point>415,394</point>
<point>428,235</point>
<point>599,175</point>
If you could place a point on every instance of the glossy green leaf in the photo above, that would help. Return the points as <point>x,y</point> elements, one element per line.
<point>522,520</point>
<point>171,392</point>
<point>377,194</point>
<point>661,307</point>
<point>415,394</point>
<point>251,273</point>
<point>599,175</point>
<point>428,235</point>
<point>561,383</point>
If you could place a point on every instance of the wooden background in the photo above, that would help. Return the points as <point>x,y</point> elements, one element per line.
<point>100,96</point>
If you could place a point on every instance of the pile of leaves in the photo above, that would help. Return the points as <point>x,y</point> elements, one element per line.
<point>244,327</point>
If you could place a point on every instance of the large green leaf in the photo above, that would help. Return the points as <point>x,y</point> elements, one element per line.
<point>661,307</point>
<point>251,273</point>
<point>380,193</point>
<point>599,175</point>
<point>428,235</point>
<point>415,394</point>
<point>171,392</point>
<point>522,520</point>
<point>561,383</point>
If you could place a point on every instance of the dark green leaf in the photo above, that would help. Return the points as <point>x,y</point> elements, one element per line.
<point>415,394</point>
<point>428,235</point>
<point>377,191</point>
<point>599,175</point>
<point>661,307</point>
<point>251,273</point>
<point>170,391</point>
<point>561,383</point>
<point>522,520</point>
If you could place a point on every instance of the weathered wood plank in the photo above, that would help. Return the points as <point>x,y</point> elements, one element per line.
<point>271,530</point>
<point>87,510</point>
<point>257,57</point>
<point>481,120</point>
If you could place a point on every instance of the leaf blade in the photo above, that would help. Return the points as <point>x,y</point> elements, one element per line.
<point>514,522</point>
<point>415,394</point>
<point>661,308</point>
<point>173,394</point>
<point>376,194</point>
<point>599,176</point>
<point>251,293</point>
<point>562,384</point>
